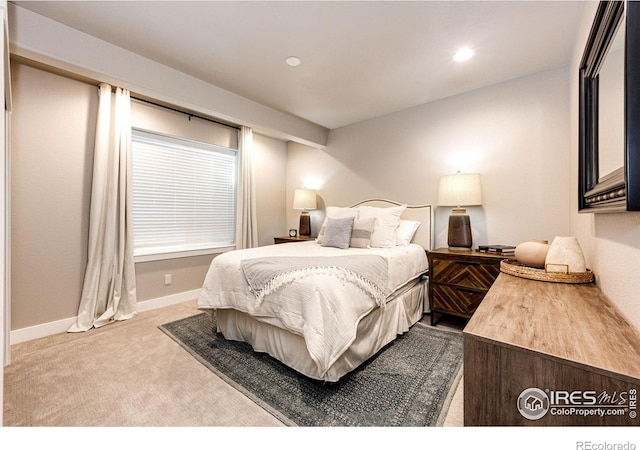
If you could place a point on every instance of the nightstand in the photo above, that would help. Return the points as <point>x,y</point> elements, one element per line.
<point>283,239</point>
<point>459,280</point>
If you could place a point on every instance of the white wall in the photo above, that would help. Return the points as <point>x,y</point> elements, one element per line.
<point>611,242</point>
<point>516,134</point>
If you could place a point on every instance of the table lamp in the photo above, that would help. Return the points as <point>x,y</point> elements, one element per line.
<point>304,199</point>
<point>461,189</point>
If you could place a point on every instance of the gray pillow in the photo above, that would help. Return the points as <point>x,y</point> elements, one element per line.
<point>338,233</point>
<point>361,233</point>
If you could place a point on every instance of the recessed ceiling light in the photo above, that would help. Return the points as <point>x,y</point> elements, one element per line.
<point>293,61</point>
<point>463,54</point>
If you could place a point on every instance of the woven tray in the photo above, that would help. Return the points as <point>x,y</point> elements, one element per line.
<point>515,268</point>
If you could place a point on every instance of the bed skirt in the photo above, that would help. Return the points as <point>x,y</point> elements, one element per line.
<point>374,331</point>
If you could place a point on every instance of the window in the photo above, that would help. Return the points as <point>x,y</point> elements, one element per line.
<point>183,195</point>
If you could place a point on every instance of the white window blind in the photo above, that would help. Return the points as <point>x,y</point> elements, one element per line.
<point>183,194</point>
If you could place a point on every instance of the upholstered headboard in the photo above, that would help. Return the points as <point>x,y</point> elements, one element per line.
<point>425,236</point>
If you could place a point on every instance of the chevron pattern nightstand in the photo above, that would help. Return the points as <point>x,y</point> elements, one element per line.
<point>459,280</point>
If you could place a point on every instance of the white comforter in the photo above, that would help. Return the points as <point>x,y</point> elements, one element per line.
<point>322,308</point>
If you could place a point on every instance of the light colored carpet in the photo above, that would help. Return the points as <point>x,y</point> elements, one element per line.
<point>128,374</point>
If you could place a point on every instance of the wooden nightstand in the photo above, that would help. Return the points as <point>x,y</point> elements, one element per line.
<point>283,239</point>
<point>459,280</point>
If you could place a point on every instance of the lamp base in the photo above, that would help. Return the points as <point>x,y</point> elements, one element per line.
<point>459,231</point>
<point>305,224</point>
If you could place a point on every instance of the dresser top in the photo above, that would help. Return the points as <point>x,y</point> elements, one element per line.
<point>466,253</point>
<point>571,322</point>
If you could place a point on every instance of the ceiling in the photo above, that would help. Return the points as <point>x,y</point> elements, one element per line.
<point>359,59</point>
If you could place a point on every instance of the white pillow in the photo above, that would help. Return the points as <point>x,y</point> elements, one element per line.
<point>387,221</point>
<point>335,212</point>
<point>406,230</point>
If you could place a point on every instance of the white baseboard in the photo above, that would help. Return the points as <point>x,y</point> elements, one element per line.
<point>174,299</point>
<point>61,326</point>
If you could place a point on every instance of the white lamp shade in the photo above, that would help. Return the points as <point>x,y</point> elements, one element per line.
<point>461,189</point>
<point>304,199</point>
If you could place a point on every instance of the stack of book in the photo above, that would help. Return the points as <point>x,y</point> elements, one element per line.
<point>507,250</point>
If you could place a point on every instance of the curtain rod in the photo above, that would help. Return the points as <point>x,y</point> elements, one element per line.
<point>185,113</point>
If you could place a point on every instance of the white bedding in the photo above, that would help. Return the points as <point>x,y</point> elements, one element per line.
<point>322,308</point>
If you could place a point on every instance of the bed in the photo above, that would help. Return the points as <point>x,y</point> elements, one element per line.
<point>322,307</point>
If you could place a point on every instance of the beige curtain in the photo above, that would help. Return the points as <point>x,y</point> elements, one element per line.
<point>246,222</point>
<point>109,290</point>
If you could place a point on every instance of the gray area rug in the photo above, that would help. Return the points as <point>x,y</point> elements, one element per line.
<point>409,383</point>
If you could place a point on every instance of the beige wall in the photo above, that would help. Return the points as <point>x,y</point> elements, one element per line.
<point>270,159</point>
<point>150,117</point>
<point>515,134</point>
<point>51,131</point>
<point>611,242</point>
<point>186,273</point>
<point>52,140</point>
